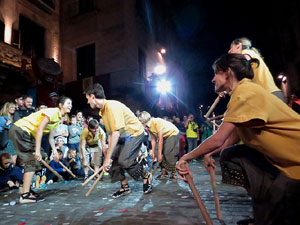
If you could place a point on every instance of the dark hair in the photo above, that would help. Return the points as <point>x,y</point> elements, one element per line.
<point>95,89</point>
<point>63,99</point>
<point>73,117</point>
<point>237,63</point>
<point>5,155</point>
<point>93,123</point>
<point>27,96</point>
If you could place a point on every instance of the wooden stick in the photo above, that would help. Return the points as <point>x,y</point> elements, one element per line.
<point>155,168</point>
<point>67,169</point>
<point>51,169</point>
<point>151,166</point>
<point>199,200</point>
<point>215,118</point>
<point>95,183</point>
<point>90,168</point>
<point>91,177</point>
<point>212,107</point>
<point>216,197</point>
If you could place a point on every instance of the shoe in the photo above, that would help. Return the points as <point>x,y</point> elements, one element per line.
<point>147,187</point>
<point>50,181</point>
<point>245,221</point>
<point>27,198</point>
<point>123,191</point>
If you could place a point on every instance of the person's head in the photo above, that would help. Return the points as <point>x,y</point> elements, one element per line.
<point>8,109</point>
<point>240,44</point>
<point>89,118</point>
<point>72,153</point>
<point>27,102</point>
<point>53,96</point>
<point>137,113</point>
<point>79,116</point>
<point>19,101</point>
<point>73,120</point>
<point>93,126</point>
<point>191,117</point>
<point>60,154</point>
<point>65,104</point>
<point>101,121</point>
<point>5,160</point>
<point>93,93</point>
<point>229,67</point>
<point>41,105</point>
<point>185,118</point>
<point>145,118</point>
<point>60,141</point>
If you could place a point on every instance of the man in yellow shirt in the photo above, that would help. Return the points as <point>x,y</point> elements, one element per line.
<point>267,164</point>
<point>125,139</point>
<point>91,139</point>
<point>167,136</point>
<point>192,132</point>
<point>26,135</point>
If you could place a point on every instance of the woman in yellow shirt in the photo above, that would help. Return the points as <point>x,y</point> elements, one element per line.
<point>26,134</point>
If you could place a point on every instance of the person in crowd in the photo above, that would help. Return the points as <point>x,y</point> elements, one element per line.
<point>192,132</point>
<point>73,163</point>
<point>126,134</point>
<point>19,102</point>
<point>61,146</point>
<point>92,142</point>
<point>62,131</point>
<point>6,120</point>
<point>53,99</point>
<point>50,177</point>
<point>26,135</point>
<point>26,109</point>
<point>74,134</point>
<point>79,119</point>
<point>10,176</point>
<point>267,164</point>
<point>164,141</point>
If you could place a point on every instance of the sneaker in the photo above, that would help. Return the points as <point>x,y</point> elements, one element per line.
<point>147,187</point>
<point>29,198</point>
<point>125,190</point>
<point>50,181</point>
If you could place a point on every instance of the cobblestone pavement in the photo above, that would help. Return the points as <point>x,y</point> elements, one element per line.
<point>170,203</point>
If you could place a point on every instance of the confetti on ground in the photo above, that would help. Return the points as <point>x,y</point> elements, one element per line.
<point>22,220</point>
<point>51,203</point>
<point>123,210</point>
<point>33,211</point>
<point>168,202</point>
<point>12,203</point>
<point>179,194</point>
<point>48,209</point>
<point>22,223</point>
<point>110,200</point>
<point>9,215</point>
<point>104,198</point>
<point>131,211</point>
<point>184,196</point>
<point>5,196</point>
<point>98,214</point>
<point>99,187</point>
<point>66,223</point>
<point>5,204</point>
<point>67,204</point>
<point>101,208</point>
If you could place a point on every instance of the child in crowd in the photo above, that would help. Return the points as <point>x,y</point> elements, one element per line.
<point>74,134</point>
<point>73,162</point>
<point>58,168</point>
<point>10,176</point>
<point>60,145</point>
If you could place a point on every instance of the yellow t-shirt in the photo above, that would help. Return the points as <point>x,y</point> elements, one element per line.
<point>158,124</point>
<point>262,74</point>
<point>190,133</point>
<point>279,138</point>
<point>117,116</point>
<point>90,139</point>
<point>31,123</point>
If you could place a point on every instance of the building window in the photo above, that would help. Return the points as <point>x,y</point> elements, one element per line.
<point>86,61</point>
<point>85,6</point>
<point>142,64</point>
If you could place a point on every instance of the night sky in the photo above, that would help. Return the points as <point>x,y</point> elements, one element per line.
<point>205,29</point>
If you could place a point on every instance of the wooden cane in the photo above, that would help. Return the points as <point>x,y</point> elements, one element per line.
<point>91,177</point>
<point>215,118</point>
<point>51,169</point>
<point>216,196</point>
<point>212,107</point>
<point>94,184</point>
<point>155,168</point>
<point>67,169</point>
<point>199,200</point>
<point>150,168</point>
<point>90,168</point>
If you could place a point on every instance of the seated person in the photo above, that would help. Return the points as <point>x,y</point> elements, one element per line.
<point>58,168</point>
<point>73,163</point>
<point>60,146</point>
<point>10,176</point>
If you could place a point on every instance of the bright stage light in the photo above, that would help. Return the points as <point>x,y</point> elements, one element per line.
<point>163,86</point>
<point>160,69</point>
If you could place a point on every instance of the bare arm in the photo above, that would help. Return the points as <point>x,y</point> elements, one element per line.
<point>83,150</point>
<point>153,144</point>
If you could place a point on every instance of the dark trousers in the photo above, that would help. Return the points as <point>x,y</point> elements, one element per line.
<point>124,159</point>
<point>275,197</point>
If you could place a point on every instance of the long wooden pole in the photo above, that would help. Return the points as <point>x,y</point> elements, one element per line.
<point>91,177</point>
<point>51,169</point>
<point>95,183</point>
<point>67,169</point>
<point>212,107</point>
<point>216,196</point>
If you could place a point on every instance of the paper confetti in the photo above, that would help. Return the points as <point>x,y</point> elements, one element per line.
<point>22,223</point>
<point>98,214</point>
<point>131,211</point>
<point>123,210</point>
<point>101,208</point>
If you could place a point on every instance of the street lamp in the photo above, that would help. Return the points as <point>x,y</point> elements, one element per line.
<point>163,86</point>
<point>160,69</point>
